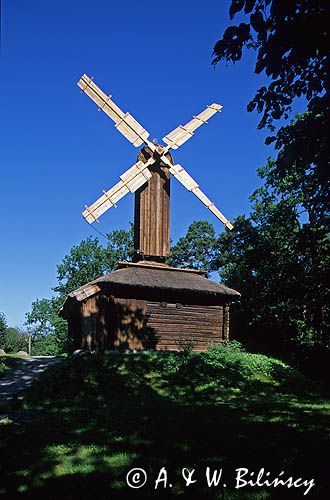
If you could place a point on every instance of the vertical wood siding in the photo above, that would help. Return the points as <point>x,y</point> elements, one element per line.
<point>152,213</point>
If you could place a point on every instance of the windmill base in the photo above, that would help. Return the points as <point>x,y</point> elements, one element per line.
<point>149,305</point>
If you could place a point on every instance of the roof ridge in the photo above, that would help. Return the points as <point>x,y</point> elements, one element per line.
<point>160,266</point>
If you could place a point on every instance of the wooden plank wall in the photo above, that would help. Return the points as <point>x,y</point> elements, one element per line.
<point>178,326</point>
<point>226,321</point>
<point>166,326</point>
<point>117,323</point>
<point>128,324</point>
<point>95,322</point>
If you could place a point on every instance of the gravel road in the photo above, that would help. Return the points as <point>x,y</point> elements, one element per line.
<point>21,377</point>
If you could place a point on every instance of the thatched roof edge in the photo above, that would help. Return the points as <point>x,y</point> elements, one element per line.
<point>150,278</point>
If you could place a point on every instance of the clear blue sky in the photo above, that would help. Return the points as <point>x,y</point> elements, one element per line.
<point>58,153</point>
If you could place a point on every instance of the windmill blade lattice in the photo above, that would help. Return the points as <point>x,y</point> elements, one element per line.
<point>182,133</point>
<point>130,181</point>
<point>189,183</point>
<point>139,174</point>
<point>125,122</point>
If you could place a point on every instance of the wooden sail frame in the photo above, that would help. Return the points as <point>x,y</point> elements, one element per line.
<point>124,122</point>
<point>135,178</point>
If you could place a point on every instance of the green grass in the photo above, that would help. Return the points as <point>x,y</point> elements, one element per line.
<point>96,417</point>
<point>8,362</point>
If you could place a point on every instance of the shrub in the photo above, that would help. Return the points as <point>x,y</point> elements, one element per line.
<point>14,340</point>
<point>46,346</point>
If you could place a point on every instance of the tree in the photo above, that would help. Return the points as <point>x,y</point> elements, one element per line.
<point>195,250</point>
<point>279,256</point>
<point>84,263</point>
<point>291,42</point>
<point>89,260</point>
<point>299,177</point>
<point>11,339</point>
<point>48,331</point>
<point>16,340</point>
<point>269,257</point>
<point>41,316</point>
<point>278,31</point>
<point>3,328</point>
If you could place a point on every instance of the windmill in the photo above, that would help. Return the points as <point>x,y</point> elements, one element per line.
<point>147,304</point>
<point>149,177</point>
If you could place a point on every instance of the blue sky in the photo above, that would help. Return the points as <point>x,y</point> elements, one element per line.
<point>58,153</point>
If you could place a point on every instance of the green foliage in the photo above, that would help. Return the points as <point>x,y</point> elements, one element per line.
<point>301,169</point>
<point>232,358</point>
<point>47,330</point>
<point>120,246</point>
<point>11,339</point>
<point>5,367</point>
<point>195,250</point>
<point>278,257</point>
<point>49,345</point>
<point>277,30</point>
<point>89,260</point>
<point>3,328</point>
<point>280,267</point>
<point>84,263</point>
<point>96,417</point>
<point>225,369</point>
<point>15,340</point>
<point>41,317</point>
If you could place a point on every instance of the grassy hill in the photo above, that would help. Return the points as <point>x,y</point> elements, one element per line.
<point>93,418</point>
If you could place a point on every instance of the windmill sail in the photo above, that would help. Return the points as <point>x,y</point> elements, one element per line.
<point>182,133</point>
<point>180,173</point>
<point>124,122</point>
<point>130,181</point>
<point>139,173</point>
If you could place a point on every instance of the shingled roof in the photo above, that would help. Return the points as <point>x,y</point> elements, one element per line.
<point>151,277</point>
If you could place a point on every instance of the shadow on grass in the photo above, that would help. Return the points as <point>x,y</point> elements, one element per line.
<point>102,416</point>
<point>7,363</point>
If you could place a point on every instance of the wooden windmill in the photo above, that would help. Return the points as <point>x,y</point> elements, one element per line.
<point>149,177</point>
<point>147,304</point>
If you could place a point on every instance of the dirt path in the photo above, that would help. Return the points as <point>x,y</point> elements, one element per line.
<point>21,377</point>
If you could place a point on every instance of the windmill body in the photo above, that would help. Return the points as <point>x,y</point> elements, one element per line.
<point>147,304</point>
<point>152,212</point>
